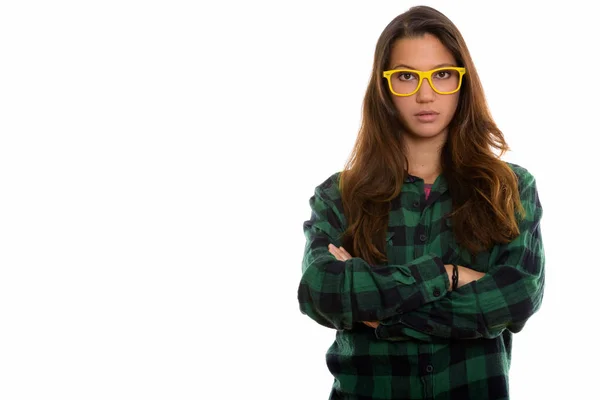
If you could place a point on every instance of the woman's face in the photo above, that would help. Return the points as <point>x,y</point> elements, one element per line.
<point>424,53</point>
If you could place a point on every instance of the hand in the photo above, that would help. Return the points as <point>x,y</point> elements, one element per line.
<point>342,255</point>
<point>372,324</point>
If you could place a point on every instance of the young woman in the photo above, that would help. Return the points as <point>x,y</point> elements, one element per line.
<point>425,252</point>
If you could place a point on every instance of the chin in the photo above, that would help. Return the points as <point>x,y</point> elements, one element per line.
<point>426,132</point>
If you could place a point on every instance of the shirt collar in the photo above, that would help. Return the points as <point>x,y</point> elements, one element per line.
<point>441,184</point>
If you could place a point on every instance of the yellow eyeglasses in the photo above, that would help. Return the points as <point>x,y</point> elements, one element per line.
<point>406,82</point>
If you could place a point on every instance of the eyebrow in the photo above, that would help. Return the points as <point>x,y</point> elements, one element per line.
<point>437,66</point>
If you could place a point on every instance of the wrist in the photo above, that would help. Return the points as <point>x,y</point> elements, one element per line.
<point>455,277</point>
<point>453,273</point>
<point>464,275</point>
<point>468,275</point>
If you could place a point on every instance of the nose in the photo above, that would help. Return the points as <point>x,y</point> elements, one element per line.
<point>426,92</point>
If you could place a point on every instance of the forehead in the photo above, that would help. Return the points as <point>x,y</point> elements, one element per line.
<point>422,52</point>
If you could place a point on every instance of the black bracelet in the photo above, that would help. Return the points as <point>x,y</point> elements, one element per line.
<point>454,276</point>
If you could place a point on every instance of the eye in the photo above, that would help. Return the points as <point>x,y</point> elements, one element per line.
<point>445,74</point>
<point>406,76</point>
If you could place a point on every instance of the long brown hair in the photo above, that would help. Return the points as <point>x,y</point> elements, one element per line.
<point>483,188</point>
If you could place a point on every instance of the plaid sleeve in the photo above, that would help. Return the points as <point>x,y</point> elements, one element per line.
<point>337,294</point>
<point>505,298</point>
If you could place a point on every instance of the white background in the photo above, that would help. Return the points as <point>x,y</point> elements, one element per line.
<point>156,161</point>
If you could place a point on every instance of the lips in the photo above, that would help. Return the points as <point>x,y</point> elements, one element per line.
<point>426,113</point>
<point>427,116</point>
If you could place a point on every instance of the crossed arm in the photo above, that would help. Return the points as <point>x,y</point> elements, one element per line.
<point>414,300</point>
<point>339,294</point>
<point>465,275</point>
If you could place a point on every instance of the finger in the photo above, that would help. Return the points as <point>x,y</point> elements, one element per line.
<point>343,250</point>
<point>336,253</point>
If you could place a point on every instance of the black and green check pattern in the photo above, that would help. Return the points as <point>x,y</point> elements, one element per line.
<point>432,343</point>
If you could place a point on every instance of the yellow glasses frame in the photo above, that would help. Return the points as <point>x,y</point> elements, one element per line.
<point>424,75</point>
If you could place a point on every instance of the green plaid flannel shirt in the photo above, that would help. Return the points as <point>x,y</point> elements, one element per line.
<point>431,343</point>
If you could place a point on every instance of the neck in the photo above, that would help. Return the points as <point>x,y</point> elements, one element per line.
<point>424,156</point>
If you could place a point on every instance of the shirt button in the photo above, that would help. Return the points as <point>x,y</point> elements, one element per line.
<point>436,292</point>
<point>416,203</point>
<point>423,238</point>
<point>429,368</point>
